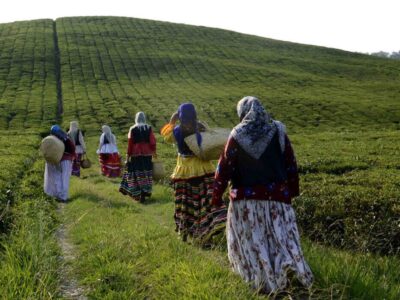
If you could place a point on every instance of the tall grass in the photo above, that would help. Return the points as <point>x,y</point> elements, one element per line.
<point>128,250</point>
<point>29,258</point>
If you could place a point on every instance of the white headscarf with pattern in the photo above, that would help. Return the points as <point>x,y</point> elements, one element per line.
<point>256,128</point>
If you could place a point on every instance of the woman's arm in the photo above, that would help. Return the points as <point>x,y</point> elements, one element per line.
<point>226,166</point>
<point>153,143</point>
<point>82,141</point>
<point>291,169</point>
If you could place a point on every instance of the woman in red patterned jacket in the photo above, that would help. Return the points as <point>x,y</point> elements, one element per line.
<point>137,180</point>
<point>262,235</point>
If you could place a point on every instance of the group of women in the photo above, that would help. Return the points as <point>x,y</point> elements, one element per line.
<point>259,162</point>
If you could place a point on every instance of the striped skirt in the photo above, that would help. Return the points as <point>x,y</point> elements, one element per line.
<point>194,215</point>
<point>76,165</point>
<point>110,164</point>
<point>138,177</point>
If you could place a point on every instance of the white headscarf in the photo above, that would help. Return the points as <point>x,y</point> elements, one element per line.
<point>256,128</point>
<point>140,122</point>
<point>73,130</point>
<point>108,134</point>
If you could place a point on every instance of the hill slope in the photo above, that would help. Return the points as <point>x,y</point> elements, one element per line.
<point>111,67</point>
<point>342,111</point>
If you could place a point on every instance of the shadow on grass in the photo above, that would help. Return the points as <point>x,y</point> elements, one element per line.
<point>105,201</point>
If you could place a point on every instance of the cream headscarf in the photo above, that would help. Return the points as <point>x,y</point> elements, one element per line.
<point>73,130</point>
<point>108,134</point>
<point>140,122</point>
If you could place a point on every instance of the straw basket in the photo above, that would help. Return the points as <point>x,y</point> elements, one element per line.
<point>52,149</point>
<point>158,169</point>
<point>212,145</point>
<point>85,163</point>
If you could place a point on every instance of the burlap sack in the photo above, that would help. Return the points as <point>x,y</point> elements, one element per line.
<point>213,143</point>
<point>158,170</point>
<point>52,149</point>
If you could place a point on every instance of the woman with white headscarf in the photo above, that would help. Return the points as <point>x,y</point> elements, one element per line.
<point>137,180</point>
<point>108,153</point>
<point>80,148</point>
<point>262,235</point>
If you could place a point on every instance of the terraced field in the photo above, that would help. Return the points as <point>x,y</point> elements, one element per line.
<point>342,111</point>
<point>28,89</point>
<point>111,67</point>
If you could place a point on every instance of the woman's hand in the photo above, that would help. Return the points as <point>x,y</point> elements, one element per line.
<point>174,118</point>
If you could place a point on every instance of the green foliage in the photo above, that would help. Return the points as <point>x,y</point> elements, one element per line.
<point>341,110</point>
<point>28,92</point>
<point>29,256</point>
<point>350,189</point>
<point>113,67</point>
<point>133,252</point>
<point>17,154</point>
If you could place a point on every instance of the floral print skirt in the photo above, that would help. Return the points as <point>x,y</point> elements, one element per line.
<point>264,244</point>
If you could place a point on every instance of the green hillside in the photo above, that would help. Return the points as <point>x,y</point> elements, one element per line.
<point>342,111</point>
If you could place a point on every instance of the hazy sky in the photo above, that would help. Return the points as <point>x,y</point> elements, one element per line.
<point>354,25</point>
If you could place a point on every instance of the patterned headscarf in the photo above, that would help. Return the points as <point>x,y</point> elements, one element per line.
<point>108,134</point>
<point>256,128</point>
<point>187,117</point>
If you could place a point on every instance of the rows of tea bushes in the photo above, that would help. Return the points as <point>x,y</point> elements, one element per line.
<point>351,189</point>
<point>113,67</point>
<point>28,91</point>
<point>17,153</point>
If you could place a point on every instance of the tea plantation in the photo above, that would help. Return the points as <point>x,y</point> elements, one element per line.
<point>341,109</point>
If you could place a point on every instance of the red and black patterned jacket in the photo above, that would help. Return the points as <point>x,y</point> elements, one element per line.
<point>274,176</point>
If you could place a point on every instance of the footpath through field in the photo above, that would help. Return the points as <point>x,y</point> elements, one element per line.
<point>127,250</point>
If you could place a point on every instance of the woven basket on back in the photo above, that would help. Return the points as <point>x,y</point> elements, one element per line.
<point>158,169</point>
<point>212,145</point>
<point>52,149</point>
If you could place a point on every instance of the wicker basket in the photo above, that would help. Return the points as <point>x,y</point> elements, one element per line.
<point>52,149</point>
<point>158,169</point>
<point>85,162</point>
<point>213,143</point>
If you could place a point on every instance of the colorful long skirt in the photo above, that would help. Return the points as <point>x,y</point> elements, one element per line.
<point>76,165</point>
<point>264,244</point>
<point>137,180</point>
<point>56,179</point>
<point>110,164</point>
<point>194,215</point>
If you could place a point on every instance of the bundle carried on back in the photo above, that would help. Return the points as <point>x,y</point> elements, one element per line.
<point>158,170</point>
<point>52,149</point>
<point>212,145</point>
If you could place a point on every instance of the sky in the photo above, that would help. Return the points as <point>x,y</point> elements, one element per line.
<point>355,25</point>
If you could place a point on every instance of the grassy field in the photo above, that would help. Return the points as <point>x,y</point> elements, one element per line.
<point>342,111</point>
<point>134,253</point>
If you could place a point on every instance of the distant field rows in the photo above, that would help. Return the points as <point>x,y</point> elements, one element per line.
<point>28,90</point>
<point>112,67</point>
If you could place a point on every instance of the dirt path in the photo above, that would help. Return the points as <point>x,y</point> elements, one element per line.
<point>69,286</point>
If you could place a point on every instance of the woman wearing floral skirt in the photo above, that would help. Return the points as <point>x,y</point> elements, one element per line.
<point>137,181</point>
<point>262,235</point>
